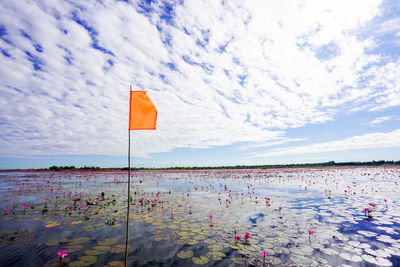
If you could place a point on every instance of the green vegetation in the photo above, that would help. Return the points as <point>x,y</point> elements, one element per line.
<point>301,165</point>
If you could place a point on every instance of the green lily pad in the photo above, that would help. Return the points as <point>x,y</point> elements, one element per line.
<point>216,247</point>
<point>76,222</point>
<point>71,248</point>
<point>108,241</point>
<point>115,264</point>
<point>102,248</point>
<point>200,260</point>
<point>93,252</point>
<point>88,259</point>
<point>119,248</point>
<point>51,243</point>
<point>244,251</point>
<point>199,237</point>
<point>240,261</point>
<point>184,254</point>
<point>192,242</point>
<point>237,246</point>
<point>79,240</point>
<point>78,264</point>
<point>210,241</point>
<point>50,225</point>
<point>216,255</point>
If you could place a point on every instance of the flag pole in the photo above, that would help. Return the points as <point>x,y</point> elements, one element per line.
<point>129,187</point>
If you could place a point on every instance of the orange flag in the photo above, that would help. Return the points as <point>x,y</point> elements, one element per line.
<point>142,112</point>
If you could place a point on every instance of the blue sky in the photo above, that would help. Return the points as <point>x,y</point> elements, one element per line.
<point>234,82</point>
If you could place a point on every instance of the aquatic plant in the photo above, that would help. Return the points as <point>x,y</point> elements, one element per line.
<point>264,254</point>
<point>211,216</point>
<point>247,237</point>
<point>310,232</point>
<point>61,254</point>
<point>237,238</point>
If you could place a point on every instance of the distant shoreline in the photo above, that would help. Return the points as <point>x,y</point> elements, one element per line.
<point>237,167</point>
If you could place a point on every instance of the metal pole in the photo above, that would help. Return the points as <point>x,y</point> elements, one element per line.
<point>129,190</point>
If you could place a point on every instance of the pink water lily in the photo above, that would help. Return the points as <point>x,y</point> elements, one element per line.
<point>237,238</point>
<point>264,254</point>
<point>247,236</point>
<point>62,253</point>
<point>310,232</point>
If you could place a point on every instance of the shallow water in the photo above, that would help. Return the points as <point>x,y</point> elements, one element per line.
<point>328,201</point>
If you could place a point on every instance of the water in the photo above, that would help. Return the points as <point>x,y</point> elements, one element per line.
<point>328,201</point>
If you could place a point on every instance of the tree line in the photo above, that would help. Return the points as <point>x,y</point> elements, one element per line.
<point>299,165</point>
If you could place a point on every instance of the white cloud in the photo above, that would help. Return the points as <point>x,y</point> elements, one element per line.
<point>379,120</point>
<point>245,72</point>
<point>365,141</point>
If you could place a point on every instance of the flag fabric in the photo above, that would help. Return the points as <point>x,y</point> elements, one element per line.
<point>142,112</point>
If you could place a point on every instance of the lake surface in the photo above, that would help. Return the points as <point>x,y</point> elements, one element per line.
<point>300,217</point>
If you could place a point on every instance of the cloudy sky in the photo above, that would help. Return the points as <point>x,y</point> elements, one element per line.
<point>234,82</point>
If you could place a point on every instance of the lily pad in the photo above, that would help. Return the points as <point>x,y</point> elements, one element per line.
<point>79,240</point>
<point>119,248</point>
<point>108,241</point>
<point>50,225</point>
<point>240,261</point>
<point>200,260</point>
<point>78,264</point>
<point>71,248</point>
<point>88,259</point>
<point>93,252</point>
<point>115,264</point>
<point>192,242</point>
<point>216,247</point>
<point>210,241</point>
<point>237,246</point>
<point>216,255</point>
<point>52,243</point>
<point>184,254</point>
